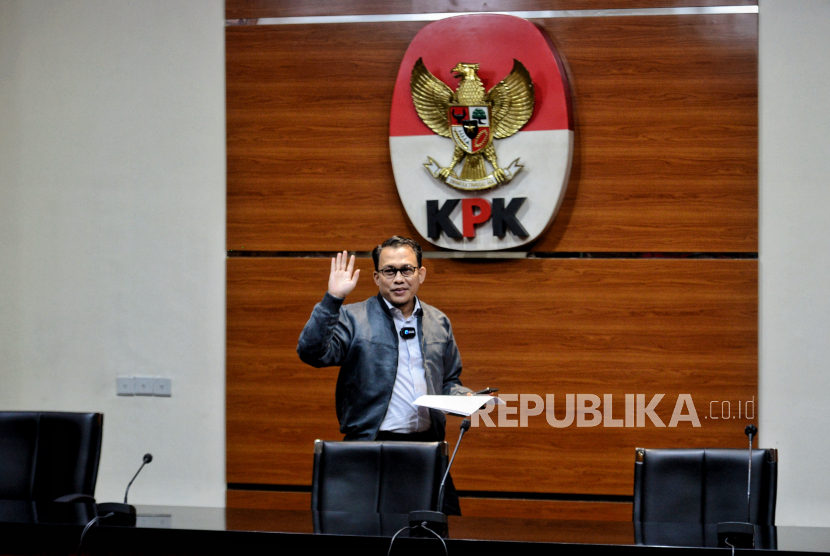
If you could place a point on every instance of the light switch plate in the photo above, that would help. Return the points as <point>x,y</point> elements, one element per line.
<point>162,387</point>
<point>143,386</point>
<point>125,386</point>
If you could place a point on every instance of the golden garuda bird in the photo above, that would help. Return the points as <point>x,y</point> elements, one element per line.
<point>473,118</point>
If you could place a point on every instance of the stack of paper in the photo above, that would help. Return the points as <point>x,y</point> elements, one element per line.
<point>458,405</point>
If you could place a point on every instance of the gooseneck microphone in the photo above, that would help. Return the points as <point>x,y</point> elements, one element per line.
<point>465,426</point>
<point>123,514</point>
<point>147,459</point>
<point>750,431</point>
<point>436,521</point>
<point>740,534</point>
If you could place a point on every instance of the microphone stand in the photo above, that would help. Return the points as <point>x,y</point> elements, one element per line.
<point>437,520</point>
<point>740,534</point>
<point>123,514</point>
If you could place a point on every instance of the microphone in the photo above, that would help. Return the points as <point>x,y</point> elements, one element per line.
<point>123,514</point>
<point>147,459</point>
<point>465,426</point>
<point>741,534</point>
<point>437,520</point>
<point>407,333</point>
<point>487,390</point>
<point>750,431</point>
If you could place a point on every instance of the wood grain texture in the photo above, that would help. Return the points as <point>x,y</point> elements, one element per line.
<point>542,530</point>
<point>471,507</point>
<point>235,9</point>
<point>546,509</point>
<point>308,146</point>
<point>666,142</point>
<point>665,149</point>
<point>279,521</point>
<point>525,529</point>
<point>268,500</point>
<point>567,326</point>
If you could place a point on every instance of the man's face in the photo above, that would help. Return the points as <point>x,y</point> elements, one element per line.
<point>399,291</point>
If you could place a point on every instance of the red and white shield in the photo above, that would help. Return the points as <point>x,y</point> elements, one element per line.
<point>542,149</point>
<point>470,127</point>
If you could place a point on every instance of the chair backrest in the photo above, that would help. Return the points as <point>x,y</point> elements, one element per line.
<point>46,455</point>
<point>705,485</point>
<point>383,477</point>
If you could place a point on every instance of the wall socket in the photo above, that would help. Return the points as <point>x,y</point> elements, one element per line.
<point>125,386</point>
<point>143,386</point>
<point>161,387</point>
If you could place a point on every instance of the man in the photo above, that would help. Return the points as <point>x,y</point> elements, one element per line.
<point>391,348</point>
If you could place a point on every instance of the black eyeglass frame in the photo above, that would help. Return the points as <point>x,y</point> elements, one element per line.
<point>407,271</point>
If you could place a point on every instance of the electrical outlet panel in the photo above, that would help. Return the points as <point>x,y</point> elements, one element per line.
<point>162,386</point>
<point>143,386</point>
<point>125,386</point>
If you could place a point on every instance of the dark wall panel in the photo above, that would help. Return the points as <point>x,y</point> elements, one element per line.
<point>308,136</point>
<point>571,326</point>
<point>665,110</point>
<point>483,507</point>
<point>666,135</point>
<point>666,118</point>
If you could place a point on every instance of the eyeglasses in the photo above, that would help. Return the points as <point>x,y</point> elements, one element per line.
<point>406,271</point>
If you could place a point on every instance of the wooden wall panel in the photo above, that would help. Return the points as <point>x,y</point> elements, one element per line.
<point>665,161</point>
<point>280,521</point>
<point>547,509</point>
<point>268,500</point>
<point>666,149</point>
<point>525,529</point>
<point>666,135</point>
<point>235,9</point>
<point>308,120</point>
<point>480,507</point>
<point>542,530</point>
<point>580,326</point>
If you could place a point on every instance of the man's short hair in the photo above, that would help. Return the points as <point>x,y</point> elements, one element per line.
<point>396,242</point>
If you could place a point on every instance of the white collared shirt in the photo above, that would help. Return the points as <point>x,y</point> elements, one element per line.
<point>410,380</point>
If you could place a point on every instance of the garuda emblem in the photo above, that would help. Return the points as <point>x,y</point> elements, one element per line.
<point>473,118</point>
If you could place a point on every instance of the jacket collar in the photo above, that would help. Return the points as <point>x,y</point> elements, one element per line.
<point>383,306</point>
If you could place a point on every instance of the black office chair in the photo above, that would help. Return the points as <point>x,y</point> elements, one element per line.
<point>680,495</point>
<point>377,477</point>
<point>706,485</point>
<point>49,455</point>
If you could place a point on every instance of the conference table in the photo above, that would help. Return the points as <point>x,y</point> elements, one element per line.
<point>40,528</point>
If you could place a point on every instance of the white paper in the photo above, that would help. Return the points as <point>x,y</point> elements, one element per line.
<point>460,405</point>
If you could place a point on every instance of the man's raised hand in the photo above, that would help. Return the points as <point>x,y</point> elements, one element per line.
<point>343,277</point>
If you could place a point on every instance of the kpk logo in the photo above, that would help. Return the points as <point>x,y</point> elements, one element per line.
<point>510,94</point>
